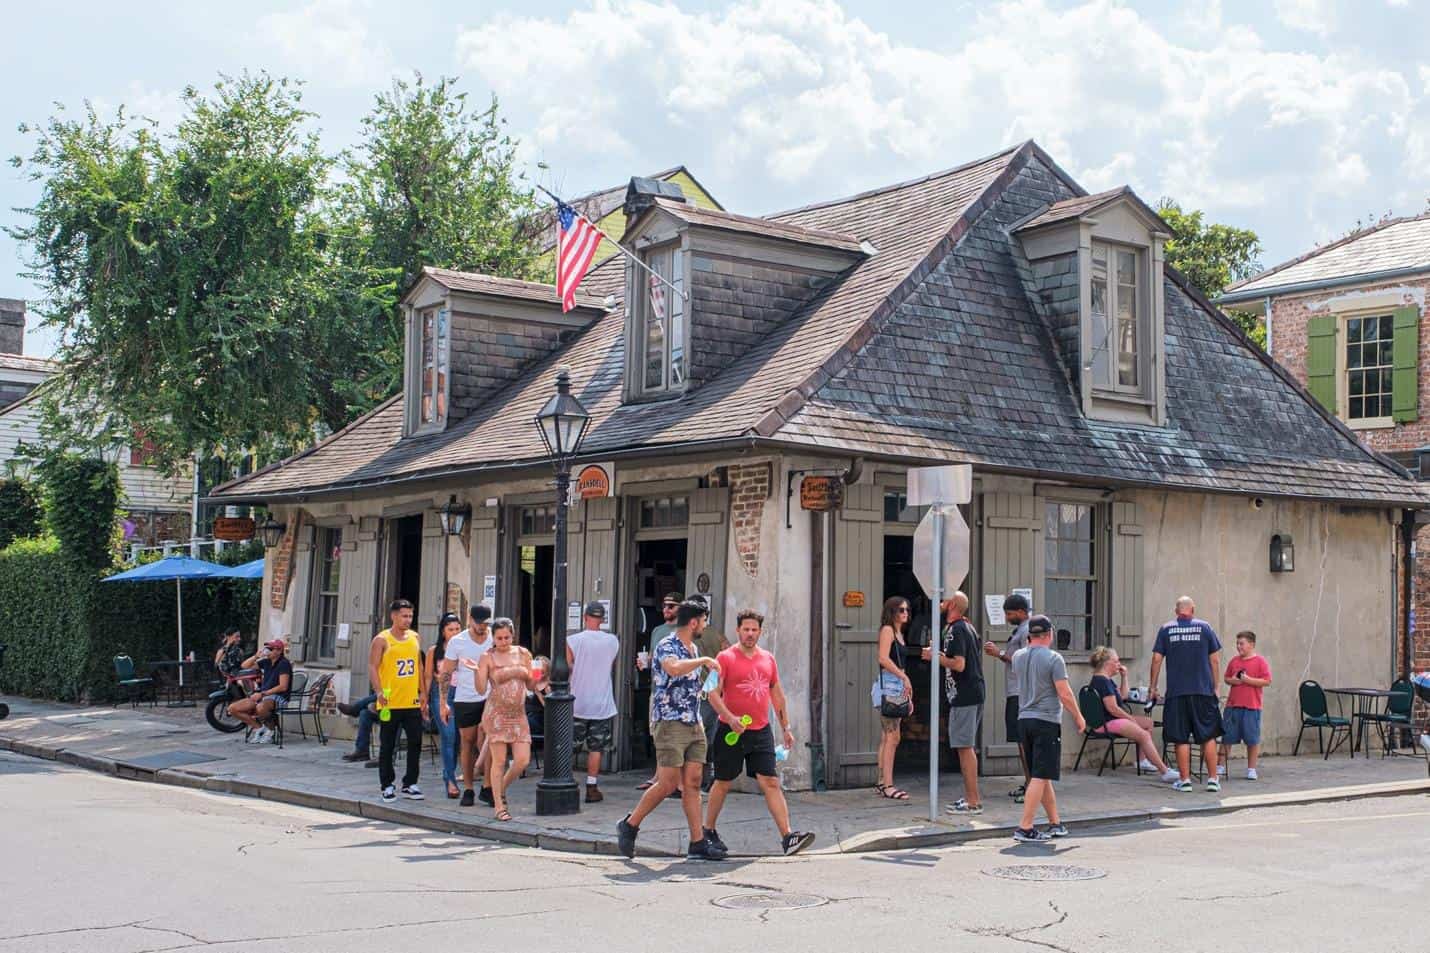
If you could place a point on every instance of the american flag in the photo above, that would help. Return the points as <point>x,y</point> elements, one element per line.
<point>657,298</point>
<point>575,247</point>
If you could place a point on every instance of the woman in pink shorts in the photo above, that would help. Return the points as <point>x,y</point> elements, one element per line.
<point>1105,668</point>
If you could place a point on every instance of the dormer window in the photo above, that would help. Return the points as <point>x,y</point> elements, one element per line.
<point>1117,319</point>
<point>663,321</point>
<point>433,351</point>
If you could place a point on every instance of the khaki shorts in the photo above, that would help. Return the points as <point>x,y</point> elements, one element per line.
<point>678,744</point>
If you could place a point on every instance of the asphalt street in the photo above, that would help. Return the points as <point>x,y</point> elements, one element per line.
<point>94,863</point>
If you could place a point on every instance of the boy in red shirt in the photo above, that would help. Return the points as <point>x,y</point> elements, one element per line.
<point>1247,673</point>
<point>749,684</point>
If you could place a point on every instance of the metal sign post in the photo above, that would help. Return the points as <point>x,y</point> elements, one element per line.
<point>941,545</point>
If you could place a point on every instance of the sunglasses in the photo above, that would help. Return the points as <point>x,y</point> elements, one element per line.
<point>903,608</point>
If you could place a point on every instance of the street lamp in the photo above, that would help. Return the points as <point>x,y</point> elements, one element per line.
<point>562,423</point>
<point>272,532</point>
<point>454,517</point>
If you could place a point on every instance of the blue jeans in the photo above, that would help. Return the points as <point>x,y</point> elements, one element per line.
<point>363,742</point>
<point>446,732</point>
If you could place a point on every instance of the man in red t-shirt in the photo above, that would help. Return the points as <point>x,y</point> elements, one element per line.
<point>749,684</point>
<point>1247,673</point>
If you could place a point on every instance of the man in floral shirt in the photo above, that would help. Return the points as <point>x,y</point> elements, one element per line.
<point>679,737</point>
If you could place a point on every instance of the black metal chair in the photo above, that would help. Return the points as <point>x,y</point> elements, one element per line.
<point>133,686</point>
<point>1314,714</point>
<point>1089,702</point>
<point>306,702</point>
<point>1395,717</point>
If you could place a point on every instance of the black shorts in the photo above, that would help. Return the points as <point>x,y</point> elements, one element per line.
<point>1010,720</point>
<point>1043,743</point>
<point>1191,718</point>
<point>754,751</point>
<point>468,714</point>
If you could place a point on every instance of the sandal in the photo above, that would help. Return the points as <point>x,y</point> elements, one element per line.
<point>503,815</point>
<point>452,792</point>
<point>646,785</point>
<point>892,793</point>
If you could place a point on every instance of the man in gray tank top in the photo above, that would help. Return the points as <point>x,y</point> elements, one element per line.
<point>1043,694</point>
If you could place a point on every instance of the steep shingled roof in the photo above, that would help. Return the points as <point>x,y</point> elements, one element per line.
<point>932,349</point>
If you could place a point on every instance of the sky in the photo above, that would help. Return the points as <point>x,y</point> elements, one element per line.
<point>1295,118</point>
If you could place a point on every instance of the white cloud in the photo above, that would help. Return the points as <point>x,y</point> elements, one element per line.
<point>1313,16</point>
<point>328,41</point>
<point>162,107</point>
<point>796,100</point>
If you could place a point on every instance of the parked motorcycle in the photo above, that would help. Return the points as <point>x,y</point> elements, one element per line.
<point>4,708</point>
<point>234,687</point>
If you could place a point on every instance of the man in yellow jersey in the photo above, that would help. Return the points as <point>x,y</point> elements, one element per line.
<point>394,666</point>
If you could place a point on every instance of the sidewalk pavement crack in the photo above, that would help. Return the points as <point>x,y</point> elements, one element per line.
<point>1010,934</point>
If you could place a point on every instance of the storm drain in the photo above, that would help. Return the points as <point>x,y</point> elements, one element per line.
<point>770,901</point>
<point>1046,872</point>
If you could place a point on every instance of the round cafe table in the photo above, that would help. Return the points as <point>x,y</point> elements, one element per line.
<point>1363,702</point>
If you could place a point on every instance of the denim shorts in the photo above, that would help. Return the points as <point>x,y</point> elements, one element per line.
<point>1241,726</point>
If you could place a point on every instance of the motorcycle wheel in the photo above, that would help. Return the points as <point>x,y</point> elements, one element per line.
<point>219,718</point>
<point>4,711</point>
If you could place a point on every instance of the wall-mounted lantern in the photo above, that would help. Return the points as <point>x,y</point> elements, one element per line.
<point>454,517</point>
<point>272,532</point>
<point>1283,553</point>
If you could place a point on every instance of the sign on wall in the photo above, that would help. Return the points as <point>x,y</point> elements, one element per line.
<point>233,529</point>
<point>594,481</point>
<point>820,494</point>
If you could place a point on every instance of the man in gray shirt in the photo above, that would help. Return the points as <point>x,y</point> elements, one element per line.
<point>1015,610</point>
<point>1043,693</point>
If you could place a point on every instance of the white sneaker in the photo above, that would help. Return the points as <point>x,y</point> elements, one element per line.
<point>1145,765</point>
<point>1425,742</point>
<point>261,736</point>
<point>1221,770</point>
<point>1170,775</point>
<point>1251,774</point>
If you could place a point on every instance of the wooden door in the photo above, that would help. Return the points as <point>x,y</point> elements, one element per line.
<point>709,549</point>
<point>857,547</point>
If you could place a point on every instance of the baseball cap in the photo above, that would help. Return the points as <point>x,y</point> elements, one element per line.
<point>479,612</point>
<point>1016,602</point>
<point>595,610</point>
<point>673,598</point>
<point>275,644</point>
<point>1040,625</point>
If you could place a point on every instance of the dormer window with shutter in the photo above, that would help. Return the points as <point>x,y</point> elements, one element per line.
<point>663,321</point>
<point>1097,265</point>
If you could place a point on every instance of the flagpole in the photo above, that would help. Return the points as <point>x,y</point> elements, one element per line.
<point>684,295</point>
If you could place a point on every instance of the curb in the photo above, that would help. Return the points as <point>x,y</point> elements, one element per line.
<point>523,834</point>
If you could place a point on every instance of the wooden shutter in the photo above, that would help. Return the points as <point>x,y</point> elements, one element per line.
<point>858,554</point>
<point>357,595</point>
<point>486,556</point>
<point>432,585</point>
<point>1405,378</point>
<point>1008,551</point>
<point>1321,360</point>
<point>1126,595</point>
<point>708,549</point>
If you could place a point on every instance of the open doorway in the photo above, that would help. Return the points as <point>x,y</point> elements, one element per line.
<point>404,577</point>
<point>899,580</point>
<point>660,569</point>
<point>535,574</point>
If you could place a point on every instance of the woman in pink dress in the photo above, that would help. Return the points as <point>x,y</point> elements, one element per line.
<point>504,674</point>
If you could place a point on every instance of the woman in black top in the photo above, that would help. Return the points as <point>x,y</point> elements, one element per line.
<point>892,674</point>
<point>1106,667</point>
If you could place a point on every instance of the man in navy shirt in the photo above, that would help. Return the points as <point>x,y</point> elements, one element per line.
<point>1193,654</point>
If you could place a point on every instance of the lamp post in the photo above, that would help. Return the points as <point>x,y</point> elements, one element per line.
<point>562,423</point>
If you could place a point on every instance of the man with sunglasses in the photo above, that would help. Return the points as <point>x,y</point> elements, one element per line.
<point>459,662</point>
<point>272,690</point>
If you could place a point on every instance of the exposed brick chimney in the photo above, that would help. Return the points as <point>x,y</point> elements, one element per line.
<point>12,326</point>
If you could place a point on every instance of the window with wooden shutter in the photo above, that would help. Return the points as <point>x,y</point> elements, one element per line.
<point>1127,624</point>
<point>1405,378</point>
<point>1321,360</point>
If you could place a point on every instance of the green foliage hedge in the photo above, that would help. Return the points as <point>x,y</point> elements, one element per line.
<point>81,496</point>
<point>64,626</point>
<point>20,514</point>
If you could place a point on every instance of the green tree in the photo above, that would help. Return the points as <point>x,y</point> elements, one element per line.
<point>431,183</point>
<point>187,274</point>
<point>81,498</point>
<point>20,514</point>
<point>1212,256</point>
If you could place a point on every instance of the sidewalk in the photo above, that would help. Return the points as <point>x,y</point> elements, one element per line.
<point>178,747</point>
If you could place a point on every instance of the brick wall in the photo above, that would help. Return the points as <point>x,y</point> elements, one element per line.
<point>749,489</point>
<point>488,352</point>
<point>735,304</point>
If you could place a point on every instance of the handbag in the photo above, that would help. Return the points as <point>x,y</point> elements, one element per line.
<point>891,703</point>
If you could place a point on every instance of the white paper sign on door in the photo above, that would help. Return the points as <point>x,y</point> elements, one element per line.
<point>993,610</point>
<point>489,592</point>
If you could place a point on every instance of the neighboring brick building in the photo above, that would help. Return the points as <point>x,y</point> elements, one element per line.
<point>1349,321</point>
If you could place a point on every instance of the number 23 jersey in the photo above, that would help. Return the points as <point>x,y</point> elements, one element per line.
<point>400,670</point>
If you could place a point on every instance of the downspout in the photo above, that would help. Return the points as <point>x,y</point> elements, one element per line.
<point>1268,324</point>
<point>1407,549</point>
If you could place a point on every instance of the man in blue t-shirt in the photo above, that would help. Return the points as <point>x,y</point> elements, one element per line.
<point>1193,654</point>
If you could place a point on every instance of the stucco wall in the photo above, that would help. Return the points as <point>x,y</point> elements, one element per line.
<point>1329,620</point>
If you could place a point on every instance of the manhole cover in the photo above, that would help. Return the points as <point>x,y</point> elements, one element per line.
<point>1044,872</point>
<point>770,901</point>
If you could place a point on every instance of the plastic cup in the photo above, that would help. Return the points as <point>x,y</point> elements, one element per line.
<point>711,681</point>
<point>643,659</point>
<point>781,753</point>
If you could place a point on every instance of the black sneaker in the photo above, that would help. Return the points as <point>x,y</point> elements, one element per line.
<point>626,836</point>
<point>712,837</point>
<point>355,756</point>
<point>486,797</point>
<point>469,798</point>
<point>1030,835</point>
<point>413,793</point>
<point>796,841</point>
<point>349,709</point>
<point>702,849</point>
<point>389,793</point>
<point>370,763</point>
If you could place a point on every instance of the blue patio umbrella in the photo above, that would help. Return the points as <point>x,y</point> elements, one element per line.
<point>248,570</point>
<point>177,568</point>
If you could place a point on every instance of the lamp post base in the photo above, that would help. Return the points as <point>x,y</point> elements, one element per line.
<point>557,797</point>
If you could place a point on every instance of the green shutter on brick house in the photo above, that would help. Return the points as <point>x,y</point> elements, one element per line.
<point>1405,378</point>
<point>1321,360</point>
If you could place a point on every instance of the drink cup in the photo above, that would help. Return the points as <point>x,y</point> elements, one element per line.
<point>781,753</point>
<point>643,659</point>
<point>538,670</point>
<point>711,681</point>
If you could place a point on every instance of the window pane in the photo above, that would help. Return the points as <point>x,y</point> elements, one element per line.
<point>1357,408</point>
<point>677,320</point>
<point>656,304</point>
<point>1353,331</point>
<point>1100,329</point>
<point>680,511</point>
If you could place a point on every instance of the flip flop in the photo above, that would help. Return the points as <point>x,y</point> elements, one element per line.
<point>503,815</point>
